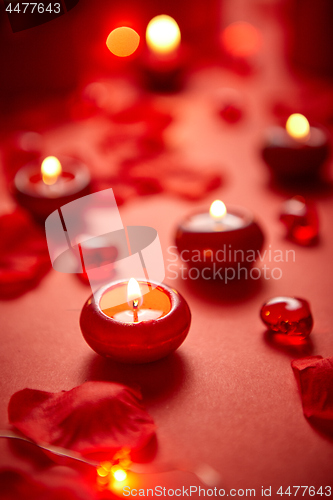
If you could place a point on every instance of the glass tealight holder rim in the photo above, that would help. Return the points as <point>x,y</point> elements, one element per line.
<point>79,170</point>
<point>238,210</point>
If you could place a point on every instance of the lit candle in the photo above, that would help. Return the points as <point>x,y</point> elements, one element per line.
<point>296,152</point>
<point>164,60</point>
<point>146,325</point>
<point>43,188</point>
<point>123,41</point>
<point>51,170</point>
<point>134,300</point>
<point>298,127</point>
<point>241,44</point>
<point>221,237</point>
<point>163,35</point>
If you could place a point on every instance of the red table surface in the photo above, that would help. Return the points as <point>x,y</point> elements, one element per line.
<point>228,396</point>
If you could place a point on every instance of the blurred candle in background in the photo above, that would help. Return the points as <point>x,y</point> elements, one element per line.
<point>163,63</point>
<point>123,41</point>
<point>296,152</point>
<point>44,187</point>
<point>298,127</point>
<point>163,35</point>
<point>51,170</point>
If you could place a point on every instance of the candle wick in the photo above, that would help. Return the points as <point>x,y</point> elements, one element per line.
<point>218,224</point>
<point>135,310</point>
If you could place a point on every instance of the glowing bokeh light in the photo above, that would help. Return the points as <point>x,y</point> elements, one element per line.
<point>102,471</point>
<point>51,169</point>
<point>120,475</point>
<point>123,41</point>
<point>217,210</point>
<point>298,126</point>
<point>241,39</point>
<point>163,35</point>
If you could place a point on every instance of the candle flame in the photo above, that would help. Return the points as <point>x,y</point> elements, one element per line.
<point>298,127</point>
<point>123,41</point>
<point>163,35</point>
<point>217,210</point>
<point>133,291</point>
<point>241,39</point>
<point>51,169</point>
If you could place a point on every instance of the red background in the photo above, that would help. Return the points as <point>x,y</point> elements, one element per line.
<point>228,396</point>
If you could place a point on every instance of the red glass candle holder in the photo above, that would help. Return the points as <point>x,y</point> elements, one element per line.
<point>163,61</point>
<point>233,243</point>
<point>292,160</point>
<point>41,199</point>
<point>163,73</point>
<point>162,324</point>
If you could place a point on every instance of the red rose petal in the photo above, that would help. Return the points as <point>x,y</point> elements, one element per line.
<point>150,144</point>
<point>169,176</point>
<point>16,484</point>
<point>144,111</point>
<point>24,257</point>
<point>191,185</point>
<point>315,378</point>
<point>93,417</point>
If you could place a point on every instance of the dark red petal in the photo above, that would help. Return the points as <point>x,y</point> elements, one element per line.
<point>231,113</point>
<point>24,257</point>
<point>144,111</point>
<point>93,417</point>
<point>315,378</point>
<point>16,484</point>
<point>191,185</point>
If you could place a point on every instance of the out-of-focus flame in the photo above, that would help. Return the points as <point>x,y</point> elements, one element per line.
<point>241,39</point>
<point>163,35</point>
<point>217,210</point>
<point>298,127</point>
<point>123,41</point>
<point>51,169</point>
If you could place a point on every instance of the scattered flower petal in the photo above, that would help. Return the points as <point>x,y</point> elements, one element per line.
<point>93,417</point>
<point>24,257</point>
<point>314,375</point>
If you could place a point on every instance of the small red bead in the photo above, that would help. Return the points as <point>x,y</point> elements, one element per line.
<point>288,315</point>
<point>301,221</point>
